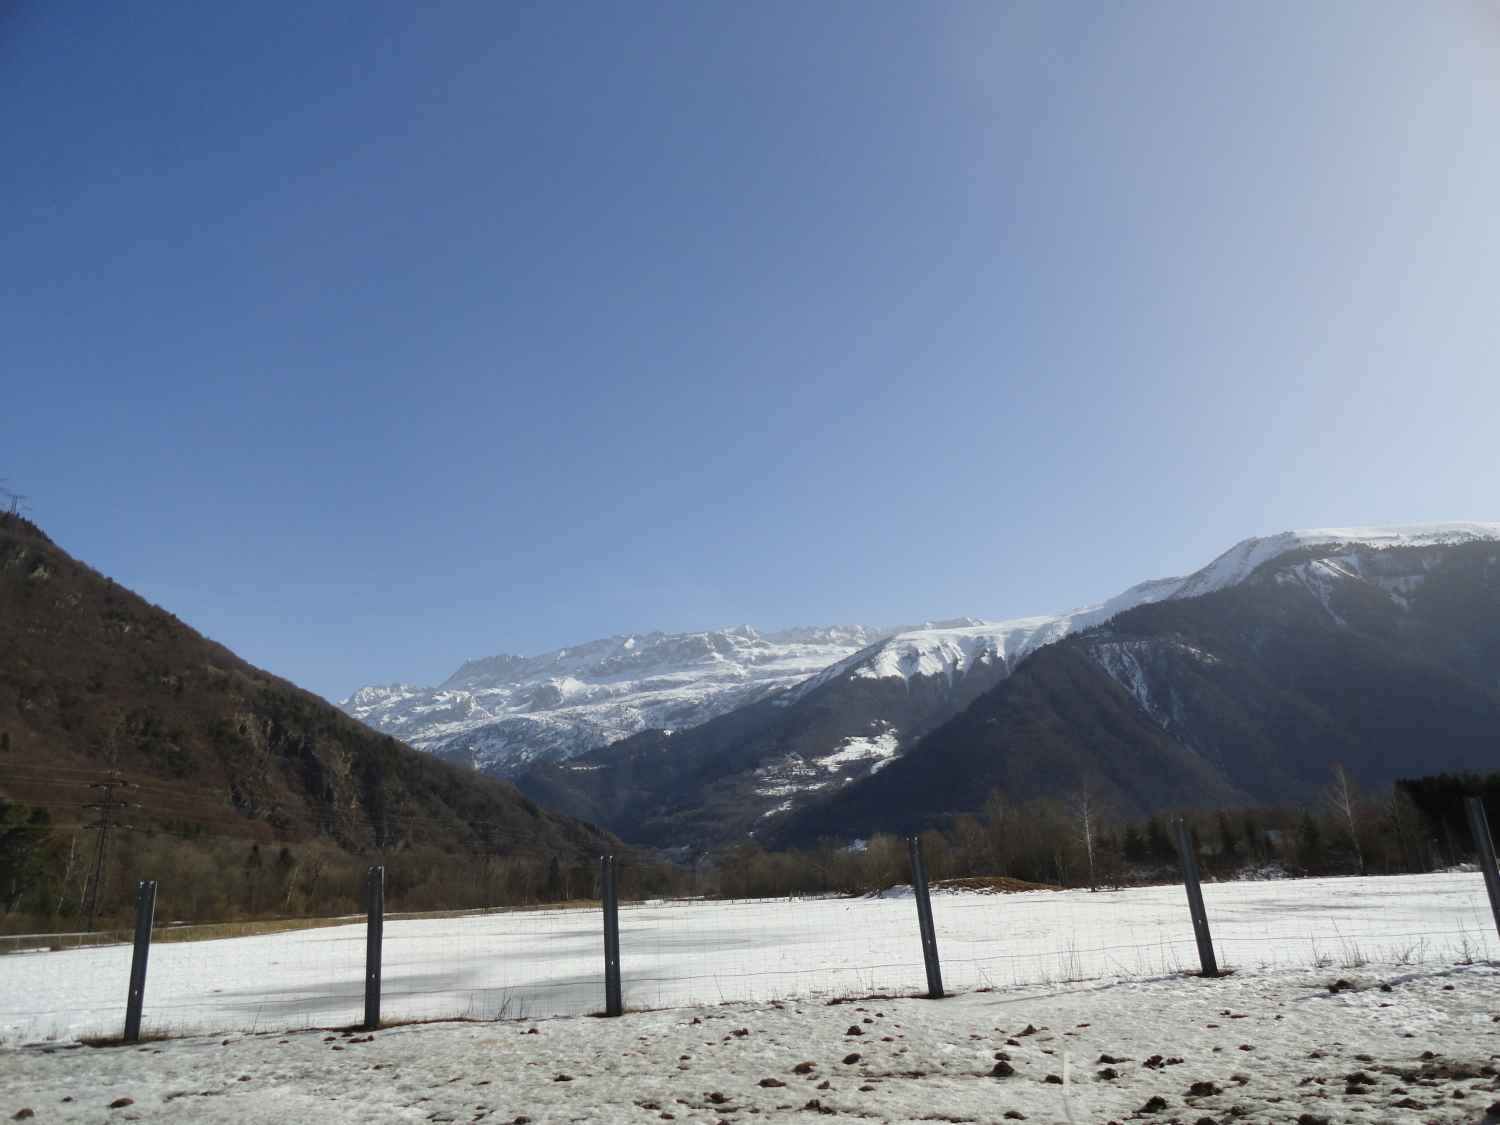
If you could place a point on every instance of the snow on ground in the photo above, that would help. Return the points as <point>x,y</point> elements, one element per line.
<point>542,963</point>
<point>856,749</point>
<point>1372,1045</point>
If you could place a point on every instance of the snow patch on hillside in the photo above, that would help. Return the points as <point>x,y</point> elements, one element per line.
<point>854,757</point>
<point>1122,661</point>
<point>851,750</point>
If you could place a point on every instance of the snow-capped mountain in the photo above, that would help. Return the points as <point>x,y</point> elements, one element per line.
<point>877,691</point>
<point>1376,649</point>
<point>950,652</point>
<point>825,741</point>
<point>504,712</point>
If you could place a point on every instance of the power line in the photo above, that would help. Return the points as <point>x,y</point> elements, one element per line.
<point>15,501</point>
<point>106,807</point>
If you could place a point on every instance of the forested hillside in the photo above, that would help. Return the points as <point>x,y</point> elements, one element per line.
<point>1386,662</point>
<point>255,792</point>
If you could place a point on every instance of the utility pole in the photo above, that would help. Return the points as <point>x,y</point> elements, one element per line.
<point>14,500</point>
<point>105,807</point>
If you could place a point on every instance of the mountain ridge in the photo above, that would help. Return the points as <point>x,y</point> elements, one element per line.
<point>1385,660</point>
<point>96,681</point>
<point>931,651</point>
<point>861,717</point>
<point>503,712</point>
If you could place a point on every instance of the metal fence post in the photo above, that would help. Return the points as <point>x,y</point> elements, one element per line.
<point>1206,959</point>
<point>1479,824</point>
<point>924,921</point>
<point>145,914</point>
<point>607,893</point>
<point>374,934</point>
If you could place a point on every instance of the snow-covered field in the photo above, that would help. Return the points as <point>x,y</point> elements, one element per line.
<point>1307,1046</point>
<point>533,964</point>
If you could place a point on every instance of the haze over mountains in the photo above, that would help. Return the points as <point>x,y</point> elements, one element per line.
<point>1164,694</point>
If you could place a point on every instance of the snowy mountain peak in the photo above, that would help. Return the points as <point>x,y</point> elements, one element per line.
<point>628,656</point>
<point>943,650</point>
<point>506,711</point>
<point>1247,556</point>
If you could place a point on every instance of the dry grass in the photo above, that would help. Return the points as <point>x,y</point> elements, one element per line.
<point>215,931</point>
<point>992,884</point>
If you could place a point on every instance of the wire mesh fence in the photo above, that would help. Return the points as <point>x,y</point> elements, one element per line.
<point>1045,938</point>
<point>543,962</point>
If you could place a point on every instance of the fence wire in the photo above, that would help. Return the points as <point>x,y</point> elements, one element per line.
<point>537,963</point>
<point>1048,937</point>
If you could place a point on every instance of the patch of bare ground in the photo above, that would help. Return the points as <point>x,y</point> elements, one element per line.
<point>991,884</point>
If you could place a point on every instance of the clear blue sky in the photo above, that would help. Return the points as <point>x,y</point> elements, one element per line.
<point>370,337</point>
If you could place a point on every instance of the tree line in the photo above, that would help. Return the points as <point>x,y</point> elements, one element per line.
<point>1416,825</point>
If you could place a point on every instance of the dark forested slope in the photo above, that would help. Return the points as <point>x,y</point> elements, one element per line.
<point>97,682</point>
<point>1386,661</point>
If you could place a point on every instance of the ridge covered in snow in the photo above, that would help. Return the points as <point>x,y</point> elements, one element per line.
<point>506,711</point>
<point>950,652</point>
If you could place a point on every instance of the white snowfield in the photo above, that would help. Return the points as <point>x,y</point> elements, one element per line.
<point>1404,1047</point>
<point>1406,1043</point>
<point>506,711</point>
<point>538,963</point>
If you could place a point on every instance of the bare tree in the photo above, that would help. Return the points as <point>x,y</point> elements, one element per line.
<point>67,873</point>
<point>1083,808</point>
<point>997,830</point>
<point>1343,799</point>
<point>1405,820</point>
